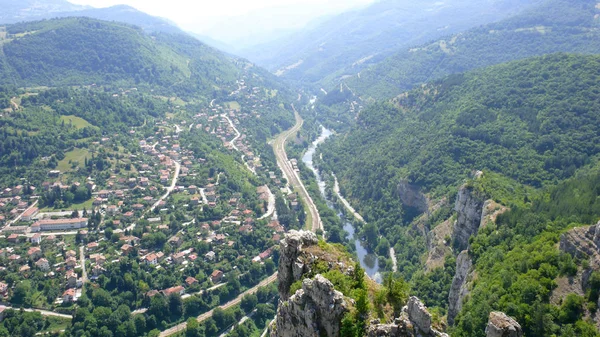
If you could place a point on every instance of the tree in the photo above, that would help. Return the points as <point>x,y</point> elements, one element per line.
<point>192,327</point>
<point>248,302</point>
<point>175,305</point>
<point>158,307</point>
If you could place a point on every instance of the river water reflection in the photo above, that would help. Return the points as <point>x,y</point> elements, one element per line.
<point>367,261</point>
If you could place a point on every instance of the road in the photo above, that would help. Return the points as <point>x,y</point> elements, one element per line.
<point>394,260</point>
<point>43,312</point>
<point>181,327</point>
<point>82,261</point>
<point>336,189</point>
<point>292,176</point>
<point>237,133</point>
<point>170,188</point>
<point>270,206</point>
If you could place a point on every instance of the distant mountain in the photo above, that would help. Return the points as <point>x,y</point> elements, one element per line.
<point>214,43</point>
<point>127,14</point>
<point>32,10</point>
<point>356,39</point>
<point>27,10</point>
<point>83,51</point>
<point>555,26</point>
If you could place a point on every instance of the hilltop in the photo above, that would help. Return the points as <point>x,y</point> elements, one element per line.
<point>83,51</point>
<point>554,26</point>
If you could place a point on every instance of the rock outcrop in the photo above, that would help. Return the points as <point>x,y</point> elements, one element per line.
<point>469,209</point>
<point>313,311</point>
<point>459,289</point>
<point>414,321</point>
<point>412,197</point>
<point>419,315</point>
<point>500,325</point>
<point>291,268</point>
<point>582,242</point>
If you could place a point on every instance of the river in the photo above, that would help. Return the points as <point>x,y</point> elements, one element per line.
<point>368,261</point>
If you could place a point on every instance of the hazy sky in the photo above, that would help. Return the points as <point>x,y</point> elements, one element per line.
<point>233,21</point>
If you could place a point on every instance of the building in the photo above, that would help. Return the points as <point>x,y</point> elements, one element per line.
<point>43,264</point>
<point>191,281</point>
<point>69,296</point>
<point>216,276</point>
<point>174,290</point>
<point>151,259</point>
<point>36,239</point>
<point>71,262</point>
<point>59,224</point>
<point>29,214</point>
<point>210,256</point>
<point>34,252</point>
<point>71,278</point>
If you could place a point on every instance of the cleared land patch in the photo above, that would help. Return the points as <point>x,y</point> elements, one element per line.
<point>73,158</point>
<point>77,122</point>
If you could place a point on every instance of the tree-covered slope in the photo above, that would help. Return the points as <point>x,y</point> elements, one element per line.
<point>82,51</point>
<point>352,40</point>
<point>533,120</point>
<point>555,26</point>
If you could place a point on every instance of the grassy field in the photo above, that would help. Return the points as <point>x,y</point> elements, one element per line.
<point>56,324</point>
<point>77,155</point>
<point>77,122</point>
<point>233,105</point>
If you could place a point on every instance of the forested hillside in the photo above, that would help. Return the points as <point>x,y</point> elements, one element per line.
<point>530,126</point>
<point>345,43</point>
<point>82,51</point>
<point>532,120</point>
<point>555,26</point>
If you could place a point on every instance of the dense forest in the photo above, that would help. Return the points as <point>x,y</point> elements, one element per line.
<point>555,26</point>
<point>82,51</point>
<point>517,262</point>
<point>531,121</point>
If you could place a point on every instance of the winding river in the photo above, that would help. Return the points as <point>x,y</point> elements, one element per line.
<point>367,261</point>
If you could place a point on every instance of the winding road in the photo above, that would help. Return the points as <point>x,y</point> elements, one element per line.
<point>292,176</point>
<point>181,326</point>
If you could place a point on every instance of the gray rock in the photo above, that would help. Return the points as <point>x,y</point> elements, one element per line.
<point>412,197</point>
<point>500,325</point>
<point>290,268</point>
<point>313,311</point>
<point>459,289</point>
<point>469,209</point>
<point>419,315</point>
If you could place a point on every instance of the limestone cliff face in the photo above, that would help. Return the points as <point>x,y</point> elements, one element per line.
<point>315,310</point>
<point>412,197</point>
<point>459,289</point>
<point>469,209</point>
<point>291,268</point>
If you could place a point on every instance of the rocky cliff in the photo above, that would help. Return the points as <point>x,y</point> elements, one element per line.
<point>411,196</point>
<point>469,209</point>
<point>459,289</point>
<point>415,320</point>
<point>291,266</point>
<point>317,308</point>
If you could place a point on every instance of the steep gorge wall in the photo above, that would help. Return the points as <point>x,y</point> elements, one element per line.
<point>317,309</point>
